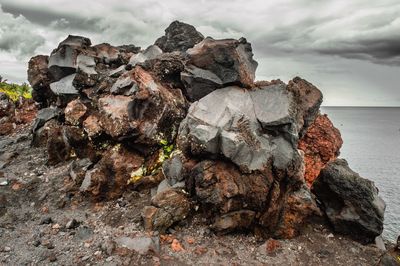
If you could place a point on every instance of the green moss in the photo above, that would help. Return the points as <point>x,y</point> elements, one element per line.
<point>15,91</point>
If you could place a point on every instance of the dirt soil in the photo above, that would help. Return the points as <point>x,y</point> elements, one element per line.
<point>38,201</point>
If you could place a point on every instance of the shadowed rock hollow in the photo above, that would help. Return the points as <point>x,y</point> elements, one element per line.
<point>186,118</point>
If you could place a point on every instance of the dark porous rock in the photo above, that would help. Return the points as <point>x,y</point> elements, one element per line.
<point>64,86</point>
<point>155,111</point>
<point>45,115</point>
<point>233,221</point>
<point>108,179</point>
<point>125,85</point>
<point>179,36</point>
<point>78,169</point>
<point>58,148</point>
<point>168,207</point>
<point>167,69</point>
<point>214,64</point>
<point>220,187</point>
<point>108,54</point>
<point>299,207</point>
<point>40,79</point>
<point>350,202</point>
<point>7,107</point>
<point>173,170</point>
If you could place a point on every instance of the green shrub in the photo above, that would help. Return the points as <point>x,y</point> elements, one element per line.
<point>15,91</point>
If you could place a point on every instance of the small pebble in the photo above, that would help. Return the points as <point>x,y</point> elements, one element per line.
<point>46,220</point>
<point>7,249</point>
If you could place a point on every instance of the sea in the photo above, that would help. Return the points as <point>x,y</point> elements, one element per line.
<point>371,146</point>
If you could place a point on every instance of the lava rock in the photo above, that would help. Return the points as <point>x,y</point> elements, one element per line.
<point>350,202</point>
<point>109,177</point>
<point>179,36</point>
<point>213,64</point>
<point>151,52</point>
<point>78,169</point>
<point>321,144</point>
<point>217,125</point>
<point>75,112</point>
<point>169,207</point>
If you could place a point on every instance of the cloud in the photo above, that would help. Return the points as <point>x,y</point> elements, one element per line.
<point>18,35</point>
<point>336,44</point>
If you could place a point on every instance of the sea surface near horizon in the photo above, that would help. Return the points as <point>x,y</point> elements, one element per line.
<point>371,146</point>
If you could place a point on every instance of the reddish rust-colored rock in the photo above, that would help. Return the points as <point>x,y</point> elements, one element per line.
<point>109,177</point>
<point>321,144</point>
<point>75,112</point>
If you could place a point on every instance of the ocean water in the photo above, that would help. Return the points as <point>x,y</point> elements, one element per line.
<point>372,147</point>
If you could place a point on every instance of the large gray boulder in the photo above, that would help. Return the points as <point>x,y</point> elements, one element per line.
<point>179,36</point>
<point>213,64</point>
<point>350,202</point>
<point>251,128</point>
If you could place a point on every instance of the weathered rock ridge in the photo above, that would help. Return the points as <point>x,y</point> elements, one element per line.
<point>186,118</point>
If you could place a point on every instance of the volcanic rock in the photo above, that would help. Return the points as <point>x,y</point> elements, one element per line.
<point>179,36</point>
<point>217,125</point>
<point>350,202</point>
<point>321,144</point>
<point>75,112</point>
<point>213,64</point>
<point>151,52</point>
<point>109,177</point>
<point>169,207</point>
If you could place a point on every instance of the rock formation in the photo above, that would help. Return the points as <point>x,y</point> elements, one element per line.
<point>350,202</point>
<point>186,115</point>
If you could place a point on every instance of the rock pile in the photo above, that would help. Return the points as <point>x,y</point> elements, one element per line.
<point>186,117</point>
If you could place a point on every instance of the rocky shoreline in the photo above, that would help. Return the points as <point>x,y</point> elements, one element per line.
<point>175,154</point>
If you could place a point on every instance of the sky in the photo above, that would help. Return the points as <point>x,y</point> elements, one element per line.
<point>349,49</point>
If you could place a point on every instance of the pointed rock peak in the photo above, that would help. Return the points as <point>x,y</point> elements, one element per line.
<point>179,36</point>
<point>73,40</point>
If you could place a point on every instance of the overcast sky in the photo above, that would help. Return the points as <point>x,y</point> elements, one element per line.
<point>350,49</point>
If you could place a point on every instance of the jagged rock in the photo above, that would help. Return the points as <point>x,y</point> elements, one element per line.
<point>45,115</point>
<point>169,207</point>
<point>114,115</point>
<point>58,148</point>
<point>125,85</point>
<point>217,125</point>
<point>117,72</point>
<point>308,100</point>
<point>92,126</point>
<point>79,143</point>
<point>75,112</point>
<point>109,177</point>
<point>39,78</point>
<point>299,207</point>
<point>167,68</point>
<point>237,220</point>
<point>78,169</point>
<point>213,64</point>
<point>350,202</point>
<point>151,52</point>
<point>63,60</point>
<point>179,36</point>
<point>155,111</point>
<point>108,54</point>
<point>64,86</point>
<point>321,144</point>
<point>173,170</point>
<point>222,188</point>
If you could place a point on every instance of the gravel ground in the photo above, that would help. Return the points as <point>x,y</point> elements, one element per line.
<point>44,220</point>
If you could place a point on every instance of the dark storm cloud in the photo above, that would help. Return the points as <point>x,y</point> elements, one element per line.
<point>320,40</point>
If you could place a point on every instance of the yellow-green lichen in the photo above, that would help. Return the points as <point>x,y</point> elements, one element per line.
<point>137,175</point>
